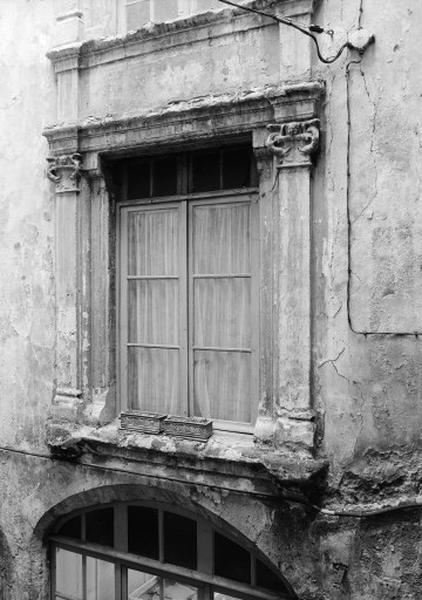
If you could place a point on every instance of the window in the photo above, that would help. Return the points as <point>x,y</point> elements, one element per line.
<point>149,552</point>
<point>188,285</point>
<point>140,12</point>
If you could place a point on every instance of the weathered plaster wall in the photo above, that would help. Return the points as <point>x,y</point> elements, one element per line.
<point>186,65</point>
<point>366,386</point>
<point>26,226</point>
<point>369,386</point>
<point>323,558</point>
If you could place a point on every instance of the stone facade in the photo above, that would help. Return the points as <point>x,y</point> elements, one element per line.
<point>338,149</point>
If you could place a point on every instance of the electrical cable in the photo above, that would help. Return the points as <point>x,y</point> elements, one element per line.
<point>412,334</point>
<point>290,23</point>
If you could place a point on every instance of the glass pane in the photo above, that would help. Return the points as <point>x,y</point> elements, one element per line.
<point>165,10</point>
<point>100,580</point>
<point>204,5</point>
<point>69,574</point>
<point>137,14</point>
<point>153,242</point>
<point>266,578</point>
<point>143,531</point>
<point>153,315</point>
<point>99,526</point>
<point>206,171</point>
<point>153,380</point>
<point>143,586</point>
<point>221,239</point>
<point>179,540</point>
<point>222,312</point>
<point>165,175</point>
<point>231,560</point>
<point>138,179</point>
<point>222,385</point>
<point>173,590</point>
<point>236,168</point>
<point>72,528</point>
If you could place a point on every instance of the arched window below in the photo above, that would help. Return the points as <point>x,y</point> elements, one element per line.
<point>130,551</point>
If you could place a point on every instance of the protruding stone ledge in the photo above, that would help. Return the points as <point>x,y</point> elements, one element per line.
<point>154,37</point>
<point>193,120</point>
<point>238,465</point>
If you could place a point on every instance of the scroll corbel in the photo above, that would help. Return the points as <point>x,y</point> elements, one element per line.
<point>293,144</point>
<point>65,171</point>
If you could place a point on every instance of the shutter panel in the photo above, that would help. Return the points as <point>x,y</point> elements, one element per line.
<point>221,336</point>
<point>154,309</point>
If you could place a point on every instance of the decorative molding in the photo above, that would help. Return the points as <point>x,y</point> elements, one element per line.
<point>65,171</point>
<point>192,120</point>
<point>293,144</point>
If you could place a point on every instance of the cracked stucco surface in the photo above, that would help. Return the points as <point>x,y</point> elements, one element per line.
<point>368,386</point>
<point>26,226</point>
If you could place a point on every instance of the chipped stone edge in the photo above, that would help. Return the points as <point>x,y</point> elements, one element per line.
<point>270,470</point>
<point>175,112</point>
<point>155,32</point>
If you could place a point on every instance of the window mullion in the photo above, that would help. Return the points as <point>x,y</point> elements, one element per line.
<point>53,571</point>
<point>205,545</point>
<point>190,309</point>
<point>84,582</point>
<point>121,582</point>
<point>120,527</point>
<point>161,536</point>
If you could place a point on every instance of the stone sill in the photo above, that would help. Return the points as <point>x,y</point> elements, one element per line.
<point>231,461</point>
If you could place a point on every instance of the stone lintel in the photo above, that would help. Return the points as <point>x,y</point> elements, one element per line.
<point>195,120</point>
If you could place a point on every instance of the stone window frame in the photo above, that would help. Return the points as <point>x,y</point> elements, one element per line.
<point>284,126</point>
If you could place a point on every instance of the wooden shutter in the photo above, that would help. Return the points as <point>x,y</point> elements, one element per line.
<point>222,309</point>
<point>189,312</point>
<point>153,307</point>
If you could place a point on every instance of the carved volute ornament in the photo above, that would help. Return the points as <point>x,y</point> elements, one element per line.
<point>65,172</point>
<point>294,143</point>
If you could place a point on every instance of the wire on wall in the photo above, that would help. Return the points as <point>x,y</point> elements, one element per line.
<point>290,23</point>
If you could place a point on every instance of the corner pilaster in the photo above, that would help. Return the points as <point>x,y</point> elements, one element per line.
<point>285,153</point>
<point>65,171</point>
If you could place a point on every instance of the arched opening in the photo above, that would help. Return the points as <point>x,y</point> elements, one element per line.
<point>154,551</point>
